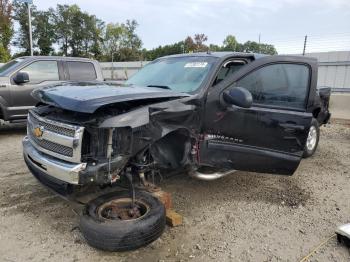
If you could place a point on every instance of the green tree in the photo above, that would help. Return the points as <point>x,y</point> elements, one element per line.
<point>121,41</point>
<point>44,31</point>
<point>172,49</point>
<point>199,40</point>
<point>21,16</point>
<point>190,45</point>
<point>112,39</point>
<point>267,49</point>
<point>62,23</point>
<point>96,38</point>
<point>6,29</point>
<point>131,42</point>
<point>78,33</point>
<point>254,47</point>
<point>230,43</point>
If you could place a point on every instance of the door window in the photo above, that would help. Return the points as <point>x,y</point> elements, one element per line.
<point>41,71</point>
<point>227,69</point>
<point>81,71</point>
<point>283,85</point>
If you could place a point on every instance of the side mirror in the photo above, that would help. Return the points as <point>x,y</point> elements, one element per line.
<point>238,96</point>
<point>21,78</point>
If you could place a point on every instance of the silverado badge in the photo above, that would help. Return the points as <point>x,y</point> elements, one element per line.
<point>38,131</point>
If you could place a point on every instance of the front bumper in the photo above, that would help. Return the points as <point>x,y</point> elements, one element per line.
<point>50,167</point>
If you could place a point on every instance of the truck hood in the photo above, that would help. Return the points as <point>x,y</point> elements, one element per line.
<point>88,97</point>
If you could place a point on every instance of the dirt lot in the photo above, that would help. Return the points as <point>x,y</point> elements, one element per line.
<point>243,217</point>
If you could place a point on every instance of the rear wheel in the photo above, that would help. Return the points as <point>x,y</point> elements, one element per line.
<point>312,139</point>
<point>112,222</point>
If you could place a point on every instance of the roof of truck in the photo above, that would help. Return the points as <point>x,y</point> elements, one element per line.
<point>56,58</point>
<point>220,54</point>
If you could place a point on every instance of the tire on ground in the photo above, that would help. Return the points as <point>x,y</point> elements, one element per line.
<point>122,235</point>
<point>310,152</point>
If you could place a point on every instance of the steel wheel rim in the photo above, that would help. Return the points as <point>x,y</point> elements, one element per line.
<point>311,138</point>
<point>117,209</point>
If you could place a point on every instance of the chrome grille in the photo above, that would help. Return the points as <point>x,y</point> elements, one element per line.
<point>51,146</point>
<point>55,138</point>
<point>54,128</point>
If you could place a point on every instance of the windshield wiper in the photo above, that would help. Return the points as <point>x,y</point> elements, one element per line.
<point>159,86</point>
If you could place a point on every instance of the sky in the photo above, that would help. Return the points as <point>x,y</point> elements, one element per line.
<point>283,23</point>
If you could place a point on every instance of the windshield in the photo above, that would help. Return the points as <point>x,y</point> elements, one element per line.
<point>8,66</point>
<point>180,74</point>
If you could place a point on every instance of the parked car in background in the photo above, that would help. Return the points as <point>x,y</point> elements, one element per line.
<point>20,76</point>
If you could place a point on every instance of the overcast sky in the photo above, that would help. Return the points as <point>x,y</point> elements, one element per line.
<point>280,22</point>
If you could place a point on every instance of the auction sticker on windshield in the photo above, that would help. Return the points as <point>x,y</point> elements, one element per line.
<point>196,64</point>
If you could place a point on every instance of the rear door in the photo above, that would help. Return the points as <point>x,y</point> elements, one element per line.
<point>270,136</point>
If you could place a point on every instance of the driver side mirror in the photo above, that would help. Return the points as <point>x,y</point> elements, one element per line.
<point>238,96</point>
<point>21,78</point>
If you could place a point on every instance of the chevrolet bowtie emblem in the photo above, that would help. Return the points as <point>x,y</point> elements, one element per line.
<point>38,131</point>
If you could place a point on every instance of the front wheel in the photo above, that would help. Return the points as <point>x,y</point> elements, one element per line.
<point>112,222</point>
<point>312,139</point>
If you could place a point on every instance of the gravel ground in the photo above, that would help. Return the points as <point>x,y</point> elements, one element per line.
<point>242,217</point>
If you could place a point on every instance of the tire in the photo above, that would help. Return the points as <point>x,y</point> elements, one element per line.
<point>312,139</point>
<point>122,235</point>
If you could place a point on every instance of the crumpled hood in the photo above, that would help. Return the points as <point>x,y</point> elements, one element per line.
<point>88,97</point>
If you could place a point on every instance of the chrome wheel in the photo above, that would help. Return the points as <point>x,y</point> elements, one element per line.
<point>311,139</point>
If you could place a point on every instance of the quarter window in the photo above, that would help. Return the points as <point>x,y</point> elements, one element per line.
<point>81,71</point>
<point>278,85</point>
<point>41,71</point>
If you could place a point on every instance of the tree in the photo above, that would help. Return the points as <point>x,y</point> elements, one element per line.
<point>230,43</point>
<point>112,39</point>
<point>44,31</point>
<point>131,42</point>
<point>199,40</point>
<point>62,24</point>
<point>78,33</point>
<point>96,38</point>
<point>267,49</point>
<point>190,46</point>
<point>6,29</point>
<point>121,41</point>
<point>172,49</point>
<point>21,16</point>
<point>254,47</point>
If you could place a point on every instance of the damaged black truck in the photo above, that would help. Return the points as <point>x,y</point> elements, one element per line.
<point>204,114</point>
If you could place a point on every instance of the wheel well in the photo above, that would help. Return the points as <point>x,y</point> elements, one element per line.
<point>316,112</point>
<point>2,114</point>
<point>172,150</point>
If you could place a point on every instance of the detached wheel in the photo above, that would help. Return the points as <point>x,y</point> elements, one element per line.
<point>312,139</point>
<point>110,222</point>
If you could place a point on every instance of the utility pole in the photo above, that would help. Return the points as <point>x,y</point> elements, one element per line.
<point>259,41</point>
<point>30,29</point>
<point>305,40</point>
<point>112,75</point>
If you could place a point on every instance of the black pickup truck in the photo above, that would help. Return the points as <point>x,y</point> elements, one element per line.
<point>204,114</point>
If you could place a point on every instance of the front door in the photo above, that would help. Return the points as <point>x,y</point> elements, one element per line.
<point>40,73</point>
<point>270,136</point>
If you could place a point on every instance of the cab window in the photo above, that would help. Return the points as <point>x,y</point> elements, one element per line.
<point>82,71</point>
<point>227,69</point>
<point>41,71</point>
<point>284,85</point>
